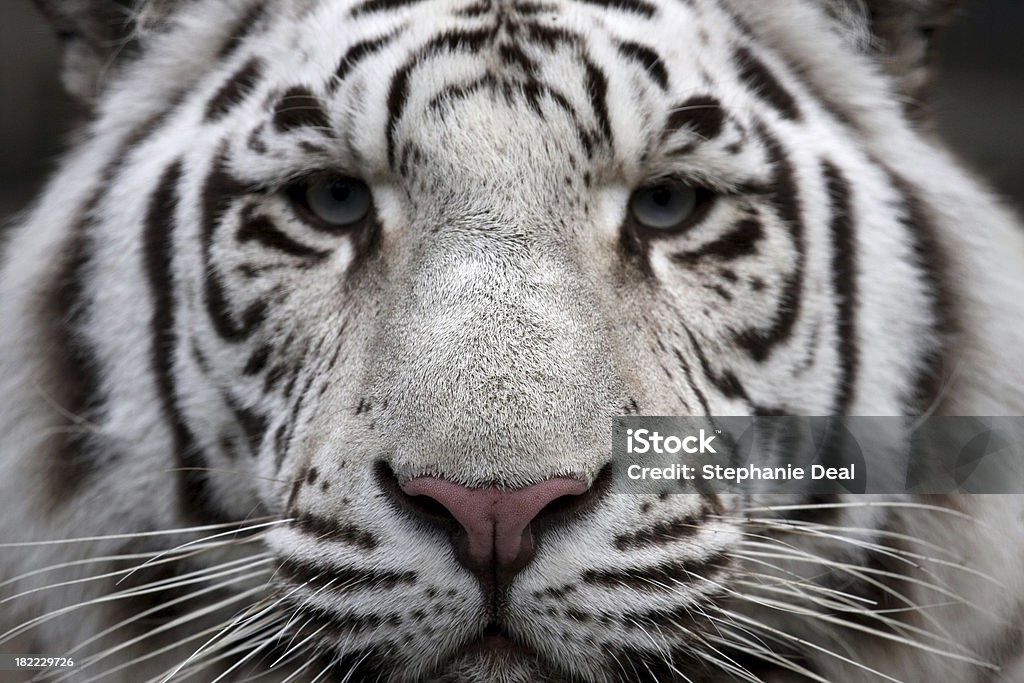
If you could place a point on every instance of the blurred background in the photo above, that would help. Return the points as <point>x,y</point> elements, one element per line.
<point>981,97</point>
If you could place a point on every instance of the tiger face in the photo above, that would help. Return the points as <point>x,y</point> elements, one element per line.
<point>382,271</point>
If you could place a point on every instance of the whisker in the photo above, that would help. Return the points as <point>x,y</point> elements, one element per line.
<point>162,606</point>
<point>150,654</point>
<point>156,586</point>
<point>898,504</point>
<point>191,616</point>
<point>105,575</point>
<point>219,470</point>
<point>898,554</point>
<point>764,655</point>
<point>827,618</point>
<point>806,643</point>
<point>140,534</point>
<point>855,570</point>
<point>237,621</point>
<point>877,616</point>
<point>265,525</point>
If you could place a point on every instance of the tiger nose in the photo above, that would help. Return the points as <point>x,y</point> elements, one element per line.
<point>492,535</point>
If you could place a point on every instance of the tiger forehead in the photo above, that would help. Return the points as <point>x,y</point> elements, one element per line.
<point>559,61</point>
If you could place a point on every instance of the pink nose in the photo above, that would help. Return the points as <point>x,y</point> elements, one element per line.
<point>496,540</point>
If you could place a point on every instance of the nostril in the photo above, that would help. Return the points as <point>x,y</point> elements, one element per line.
<point>421,506</point>
<point>558,508</point>
<point>425,506</point>
<point>566,507</point>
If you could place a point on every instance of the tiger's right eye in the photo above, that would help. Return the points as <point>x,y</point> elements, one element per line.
<point>665,207</point>
<point>335,202</point>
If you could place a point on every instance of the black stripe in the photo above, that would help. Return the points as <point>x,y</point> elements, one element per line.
<point>530,8</point>
<point>253,424</point>
<point>932,262</point>
<point>785,197</point>
<point>284,439</point>
<point>688,373</point>
<point>756,74</point>
<point>242,30</point>
<point>473,40</point>
<point>299,108</point>
<point>358,53</point>
<point>636,6</point>
<point>398,96</point>
<point>327,529</point>
<point>235,90</point>
<point>219,190</point>
<point>726,383</point>
<point>374,6</point>
<point>550,37</point>
<point>476,10</point>
<point>648,59</point>
<point>449,95</point>
<point>260,229</point>
<point>844,283</point>
<point>596,84</point>
<point>274,376</point>
<point>740,241</point>
<point>158,251</point>
<point>664,532</point>
<point>512,55</point>
<point>343,579</point>
<point>703,115</point>
<point>257,360</point>
<point>667,576</point>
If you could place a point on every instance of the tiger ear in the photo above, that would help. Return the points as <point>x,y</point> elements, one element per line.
<point>902,36</point>
<point>98,35</point>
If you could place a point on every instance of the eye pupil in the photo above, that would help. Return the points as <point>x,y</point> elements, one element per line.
<point>340,190</point>
<point>661,195</point>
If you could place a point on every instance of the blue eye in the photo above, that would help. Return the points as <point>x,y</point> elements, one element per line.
<point>664,207</point>
<point>339,202</point>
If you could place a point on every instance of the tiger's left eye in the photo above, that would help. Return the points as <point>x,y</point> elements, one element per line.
<point>338,202</point>
<point>664,207</point>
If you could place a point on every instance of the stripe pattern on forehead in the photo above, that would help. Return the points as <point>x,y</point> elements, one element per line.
<point>242,83</point>
<point>702,115</point>
<point>760,78</point>
<point>508,46</point>
<point>646,58</point>
<point>357,53</point>
<point>299,108</point>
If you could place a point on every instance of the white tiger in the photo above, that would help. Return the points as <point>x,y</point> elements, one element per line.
<point>309,348</point>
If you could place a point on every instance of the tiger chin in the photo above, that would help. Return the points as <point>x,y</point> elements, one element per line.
<point>310,346</point>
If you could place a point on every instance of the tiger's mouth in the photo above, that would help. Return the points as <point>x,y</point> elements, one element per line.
<point>497,643</point>
<point>495,655</point>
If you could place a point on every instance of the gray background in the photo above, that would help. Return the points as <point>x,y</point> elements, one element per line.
<point>981,97</point>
